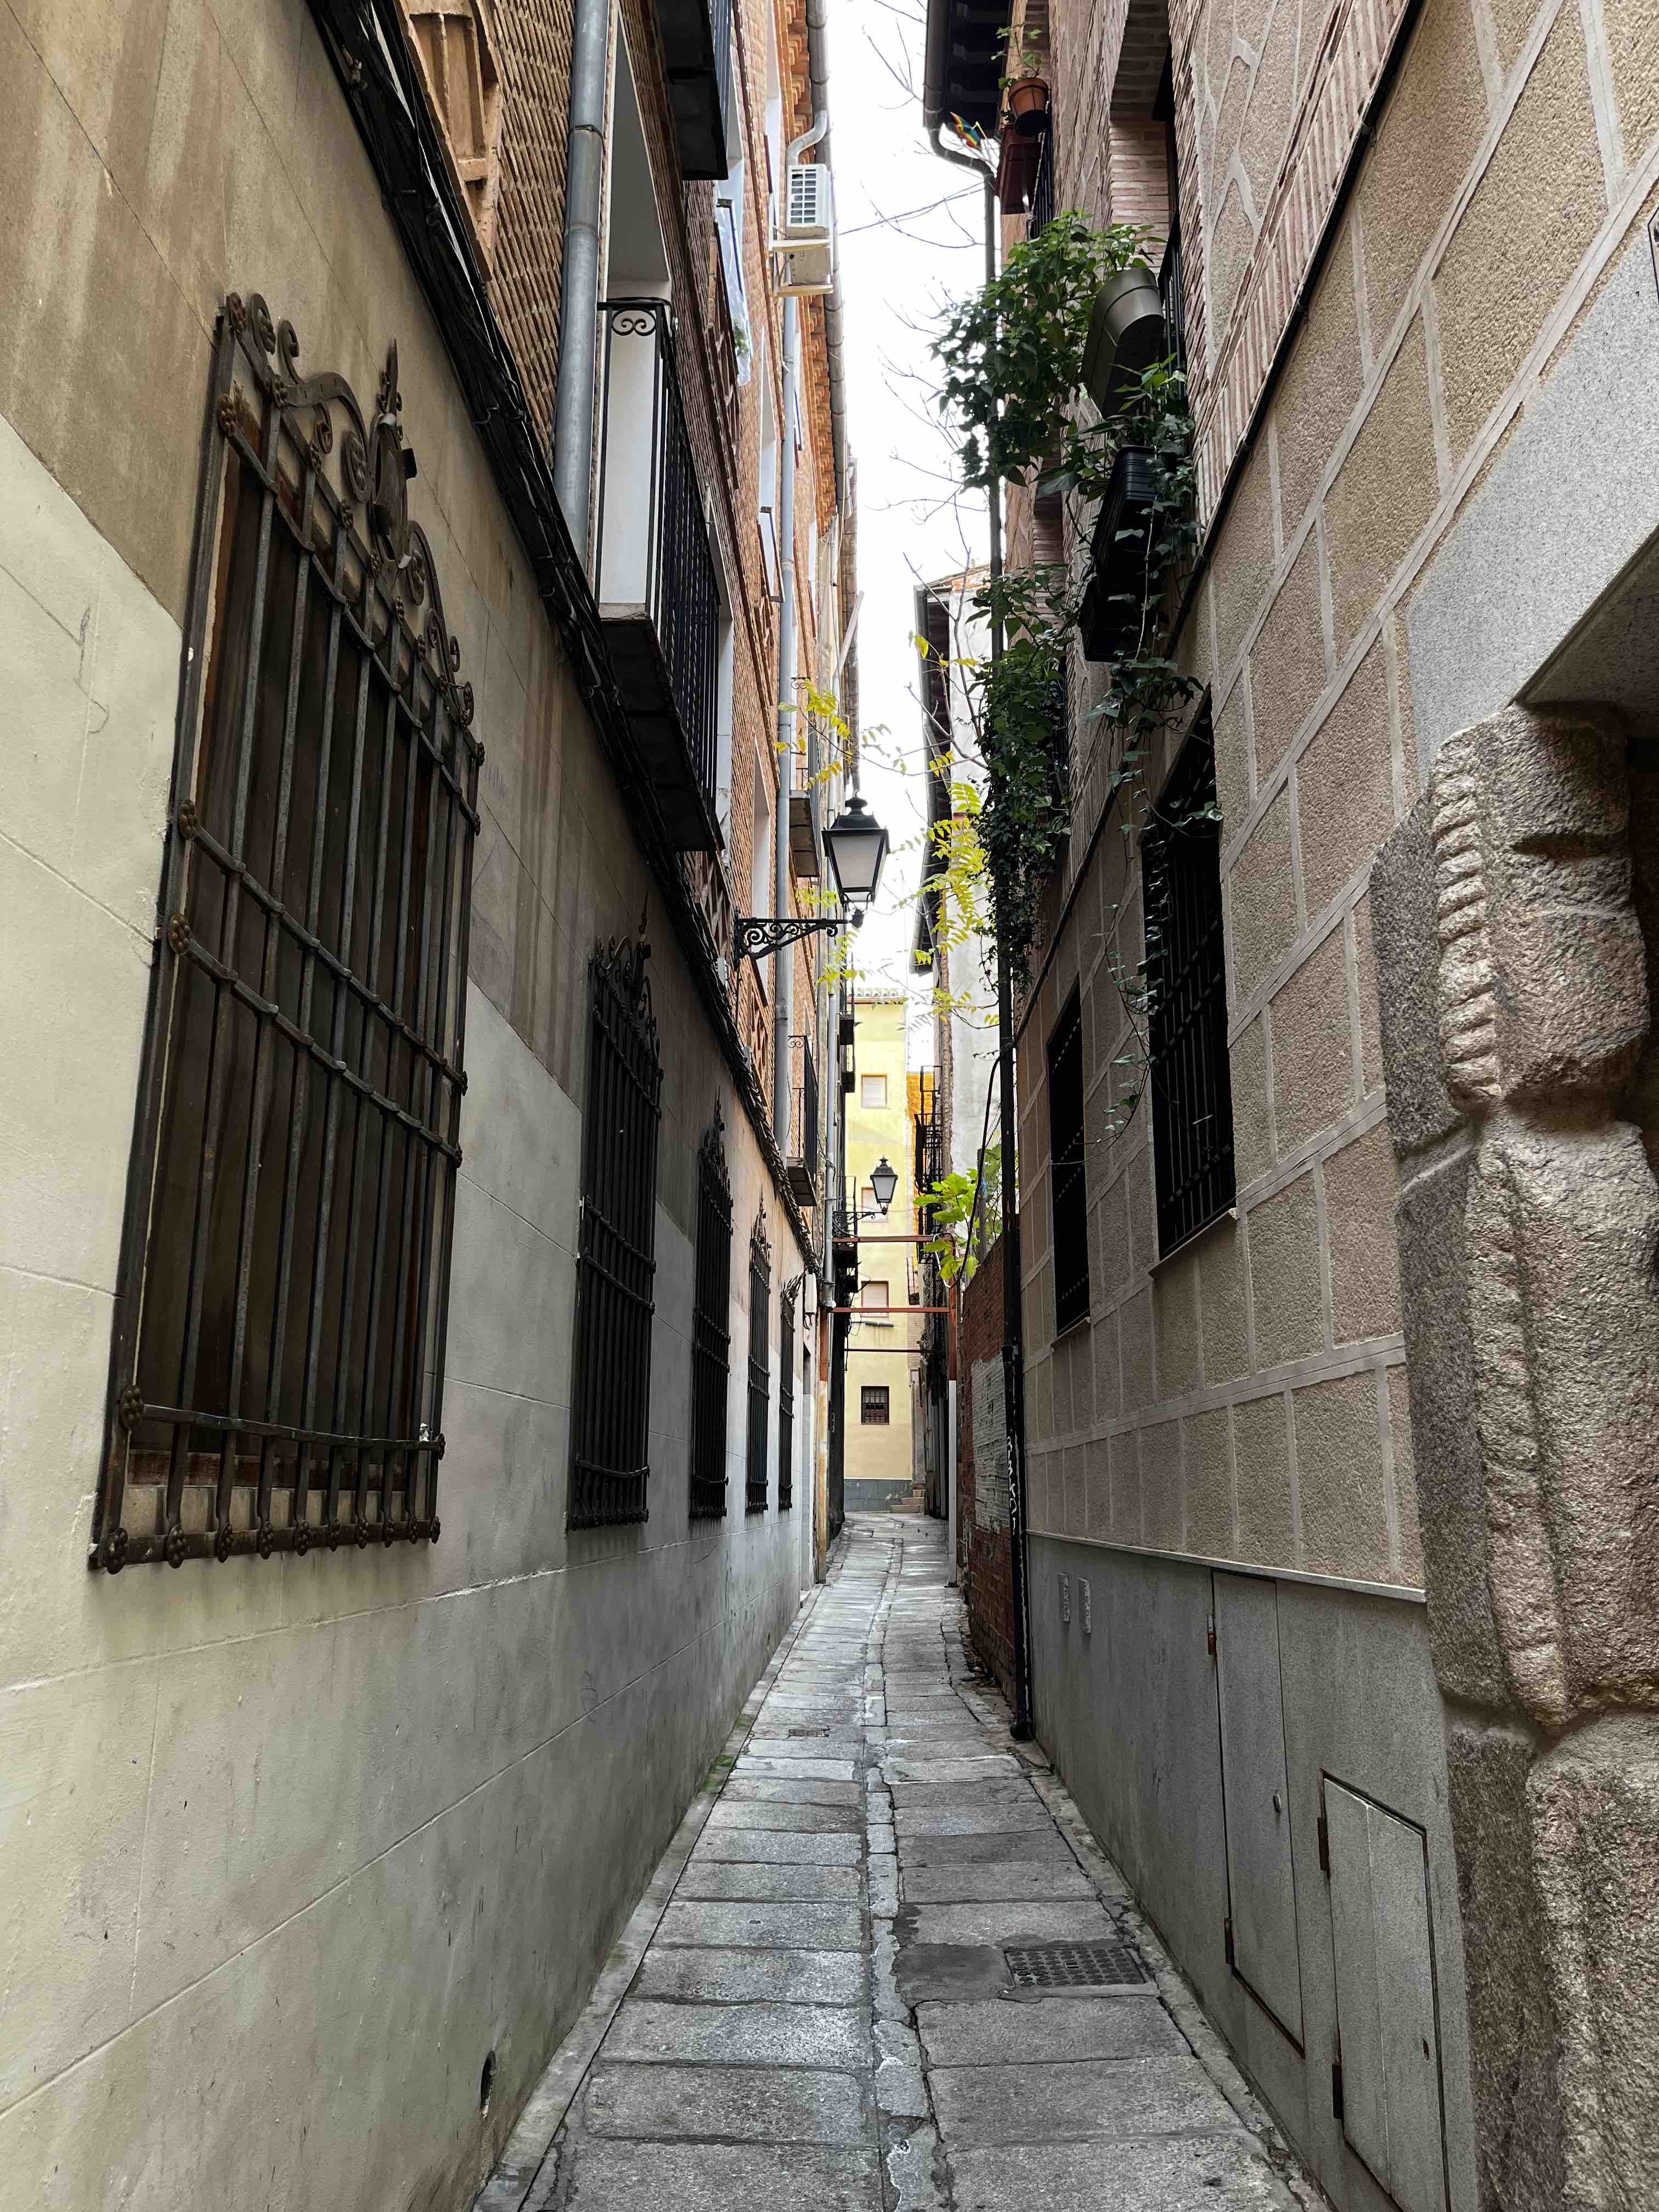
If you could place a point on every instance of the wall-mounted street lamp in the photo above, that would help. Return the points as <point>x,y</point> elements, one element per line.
<point>884,1182</point>
<point>857,846</point>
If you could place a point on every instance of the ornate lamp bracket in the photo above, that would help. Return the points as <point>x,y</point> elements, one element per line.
<point>757,934</point>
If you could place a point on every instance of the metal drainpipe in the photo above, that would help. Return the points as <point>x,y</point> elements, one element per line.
<point>783,962</point>
<point>578,295</point>
<point>1013,1318</point>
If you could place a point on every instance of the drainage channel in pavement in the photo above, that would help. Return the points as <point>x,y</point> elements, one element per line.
<point>885,1967</point>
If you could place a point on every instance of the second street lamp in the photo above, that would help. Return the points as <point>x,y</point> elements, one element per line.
<point>856,844</point>
<point>884,1182</point>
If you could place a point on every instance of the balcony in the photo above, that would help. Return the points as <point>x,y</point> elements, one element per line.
<point>696,50</point>
<point>658,596</point>
<point>801,1153</point>
<point>805,844</point>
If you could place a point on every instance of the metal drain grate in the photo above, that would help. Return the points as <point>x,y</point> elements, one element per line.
<point>1075,1966</point>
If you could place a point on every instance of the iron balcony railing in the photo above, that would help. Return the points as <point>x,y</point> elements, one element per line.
<point>654,562</point>
<point>802,1155</point>
<point>1172,292</point>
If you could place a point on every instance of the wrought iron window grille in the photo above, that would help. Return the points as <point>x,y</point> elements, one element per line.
<point>1068,1180</point>
<point>616,1243</point>
<point>874,1404</point>
<point>1186,963</point>
<point>760,1364</point>
<point>278,1362</point>
<point>711,1331</point>
<point>1041,211</point>
<point>787,1354</point>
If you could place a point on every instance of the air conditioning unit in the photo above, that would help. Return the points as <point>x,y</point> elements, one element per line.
<point>804,244</point>
<point>806,204</point>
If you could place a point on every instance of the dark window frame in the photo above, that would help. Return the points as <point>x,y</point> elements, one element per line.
<point>300,1095</point>
<point>760,1365</point>
<point>1190,1072</point>
<point>787,1397</point>
<point>615,1245</point>
<point>1068,1183</point>
<point>711,1327</point>
<point>871,1394</point>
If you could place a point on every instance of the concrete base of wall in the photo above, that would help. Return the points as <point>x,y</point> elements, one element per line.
<point>875,1496</point>
<point>1128,1707</point>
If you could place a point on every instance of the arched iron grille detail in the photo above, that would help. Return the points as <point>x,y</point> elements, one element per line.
<point>711,1331</point>
<point>760,1365</point>
<point>1186,973</point>
<point>616,1243</point>
<point>787,1354</point>
<point>276,1378</point>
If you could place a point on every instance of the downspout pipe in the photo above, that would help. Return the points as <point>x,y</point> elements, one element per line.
<point>783,961</point>
<point>578,292</point>
<point>1013,1318</point>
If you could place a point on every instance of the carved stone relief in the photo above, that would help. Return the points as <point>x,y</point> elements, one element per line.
<point>1514,982</point>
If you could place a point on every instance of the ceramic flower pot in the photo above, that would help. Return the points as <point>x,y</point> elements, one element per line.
<point>1028,106</point>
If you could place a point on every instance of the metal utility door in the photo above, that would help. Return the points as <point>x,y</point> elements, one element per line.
<point>1261,1882</point>
<point>1386,2019</point>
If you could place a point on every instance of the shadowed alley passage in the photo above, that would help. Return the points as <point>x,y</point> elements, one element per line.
<point>821,1998</point>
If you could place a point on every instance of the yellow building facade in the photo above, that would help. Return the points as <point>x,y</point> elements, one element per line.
<point>880,1452</point>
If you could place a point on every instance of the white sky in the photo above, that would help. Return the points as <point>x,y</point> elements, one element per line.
<point>896,277</point>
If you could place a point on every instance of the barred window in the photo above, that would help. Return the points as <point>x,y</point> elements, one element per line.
<point>873,1405</point>
<point>711,1332</point>
<point>616,1243</point>
<point>277,1376</point>
<point>786,1400</point>
<point>760,1365</point>
<point>1192,1080</point>
<point>1068,1183</point>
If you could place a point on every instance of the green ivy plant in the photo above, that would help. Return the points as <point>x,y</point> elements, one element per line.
<point>1012,361</point>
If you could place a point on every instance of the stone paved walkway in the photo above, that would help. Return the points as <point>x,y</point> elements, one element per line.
<point>816,2007</point>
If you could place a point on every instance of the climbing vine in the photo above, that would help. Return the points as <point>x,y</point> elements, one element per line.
<point>1013,362</point>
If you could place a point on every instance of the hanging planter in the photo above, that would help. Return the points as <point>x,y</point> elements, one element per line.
<point>1111,610</point>
<point>1127,335</point>
<point>1027,103</point>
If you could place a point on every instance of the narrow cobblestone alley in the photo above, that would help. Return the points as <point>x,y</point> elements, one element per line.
<point>817,2001</point>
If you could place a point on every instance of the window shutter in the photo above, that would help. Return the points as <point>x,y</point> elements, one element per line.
<point>458,59</point>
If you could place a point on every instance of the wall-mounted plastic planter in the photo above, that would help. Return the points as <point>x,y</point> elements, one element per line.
<point>1127,335</point>
<point>1027,104</point>
<point>1112,603</point>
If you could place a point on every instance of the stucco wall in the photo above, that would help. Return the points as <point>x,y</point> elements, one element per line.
<point>876,1453</point>
<point>333,1826</point>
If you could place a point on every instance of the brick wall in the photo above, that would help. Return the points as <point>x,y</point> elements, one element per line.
<point>982,1562</point>
<point>535,38</point>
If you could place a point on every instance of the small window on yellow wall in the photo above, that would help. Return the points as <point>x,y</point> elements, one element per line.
<point>873,1404</point>
<point>457,50</point>
<point>867,1199</point>
<point>873,1090</point>
<point>875,1294</point>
